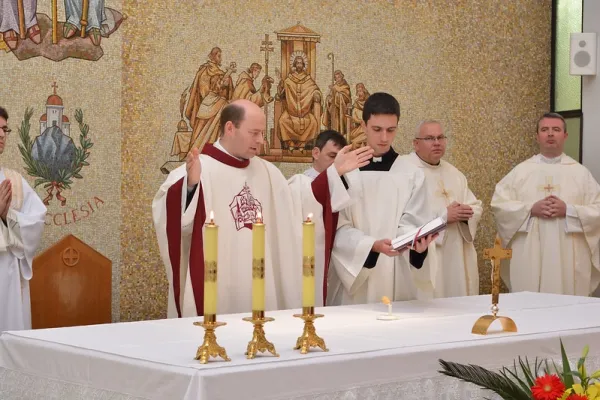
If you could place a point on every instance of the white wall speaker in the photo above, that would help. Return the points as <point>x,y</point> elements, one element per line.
<point>583,54</point>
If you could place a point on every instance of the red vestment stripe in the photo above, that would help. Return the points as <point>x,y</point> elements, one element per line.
<point>196,259</point>
<point>174,237</point>
<point>320,187</point>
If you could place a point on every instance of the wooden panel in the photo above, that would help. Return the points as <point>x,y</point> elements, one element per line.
<point>71,286</point>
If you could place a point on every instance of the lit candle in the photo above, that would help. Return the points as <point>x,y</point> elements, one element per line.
<point>211,231</point>
<point>258,265</point>
<point>308,262</point>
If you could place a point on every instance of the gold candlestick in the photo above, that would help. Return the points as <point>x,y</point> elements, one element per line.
<point>309,336</point>
<point>210,347</point>
<point>259,342</point>
<point>481,326</point>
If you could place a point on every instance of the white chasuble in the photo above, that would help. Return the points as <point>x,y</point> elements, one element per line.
<point>236,191</point>
<point>550,255</point>
<point>457,273</point>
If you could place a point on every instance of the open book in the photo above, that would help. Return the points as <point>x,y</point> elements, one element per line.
<point>408,239</point>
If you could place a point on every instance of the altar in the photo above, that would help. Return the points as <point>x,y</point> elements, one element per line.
<point>367,358</point>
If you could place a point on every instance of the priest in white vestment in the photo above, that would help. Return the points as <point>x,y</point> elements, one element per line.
<point>394,201</point>
<point>22,213</point>
<point>230,180</point>
<point>456,272</point>
<point>327,146</point>
<point>547,209</point>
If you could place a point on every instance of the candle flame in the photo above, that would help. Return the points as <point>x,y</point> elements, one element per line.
<point>258,217</point>
<point>309,217</point>
<point>212,217</point>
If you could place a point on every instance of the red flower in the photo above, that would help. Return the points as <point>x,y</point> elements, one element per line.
<point>548,387</point>
<point>577,397</point>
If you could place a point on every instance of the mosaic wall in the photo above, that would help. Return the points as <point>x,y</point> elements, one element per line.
<point>480,67</point>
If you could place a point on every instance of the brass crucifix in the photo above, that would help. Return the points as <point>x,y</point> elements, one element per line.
<point>495,254</point>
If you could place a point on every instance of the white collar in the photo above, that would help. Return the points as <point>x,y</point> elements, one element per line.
<point>311,173</point>
<point>546,160</point>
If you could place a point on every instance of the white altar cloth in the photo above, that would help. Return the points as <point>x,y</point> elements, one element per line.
<point>367,358</point>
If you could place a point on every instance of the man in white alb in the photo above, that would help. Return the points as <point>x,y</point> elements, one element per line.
<point>455,272</point>
<point>327,146</point>
<point>547,209</point>
<point>393,202</point>
<point>22,213</point>
<point>230,180</point>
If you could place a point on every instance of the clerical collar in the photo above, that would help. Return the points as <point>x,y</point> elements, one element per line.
<point>546,160</point>
<point>311,173</point>
<point>382,163</point>
<point>425,163</point>
<point>217,152</point>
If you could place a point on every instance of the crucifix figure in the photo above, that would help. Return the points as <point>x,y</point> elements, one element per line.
<point>496,255</point>
<point>266,47</point>
<point>548,188</point>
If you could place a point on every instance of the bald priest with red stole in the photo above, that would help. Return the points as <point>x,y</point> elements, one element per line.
<point>229,180</point>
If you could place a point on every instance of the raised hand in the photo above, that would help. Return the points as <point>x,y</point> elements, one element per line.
<point>193,168</point>
<point>348,160</point>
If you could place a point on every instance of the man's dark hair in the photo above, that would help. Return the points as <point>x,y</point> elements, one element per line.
<point>3,113</point>
<point>337,138</point>
<point>380,103</point>
<point>233,113</point>
<point>554,116</point>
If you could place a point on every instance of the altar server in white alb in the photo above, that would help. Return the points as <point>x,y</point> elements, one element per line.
<point>547,210</point>
<point>230,180</point>
<point>394,201</point>
<point>328,144</point>
<point>22,213</point>
<point>456,272</point>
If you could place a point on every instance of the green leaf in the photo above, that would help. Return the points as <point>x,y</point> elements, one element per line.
<point>77,176</point>
<point>85,163</point>
<point>506,371</point>
<point>574,373</point>
<point>527,372</point>
<point>567,377</point>
<point>486,379</point>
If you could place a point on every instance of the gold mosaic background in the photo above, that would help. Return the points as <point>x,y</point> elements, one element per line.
<point>481,67</point>
<point>95,88</point>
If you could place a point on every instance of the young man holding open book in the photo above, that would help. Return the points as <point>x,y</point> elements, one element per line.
<point>394,202</point>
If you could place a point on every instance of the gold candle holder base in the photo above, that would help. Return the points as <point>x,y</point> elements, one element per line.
<point>259,342</point>
<point>309,336</point>
<point>210,347</point>
<point>483,324</point>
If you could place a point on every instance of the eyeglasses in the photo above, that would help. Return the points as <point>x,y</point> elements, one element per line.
<point>6,131</point>
<point>431,139</point>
